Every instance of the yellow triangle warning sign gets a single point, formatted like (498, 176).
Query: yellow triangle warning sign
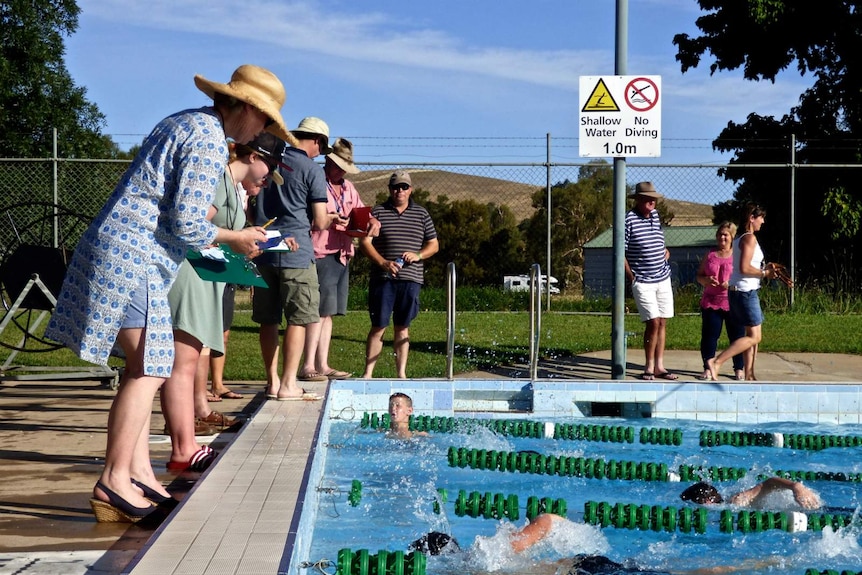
(601, 100)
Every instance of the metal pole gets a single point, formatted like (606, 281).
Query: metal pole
(548, 193)
(535, 318)
(792, 216)
(56, 193)
(450, 320)
(618, 337)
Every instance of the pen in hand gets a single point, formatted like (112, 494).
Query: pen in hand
(268, 223)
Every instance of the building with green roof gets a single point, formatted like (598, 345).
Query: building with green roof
(687, 246)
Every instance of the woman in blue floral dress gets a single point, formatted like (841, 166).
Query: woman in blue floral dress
(116, 285)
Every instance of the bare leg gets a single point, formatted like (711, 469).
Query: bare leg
(741, 345)
(178, 397)
(322, 357)
(661, 336)
(651, 329)
(142, 468)
(294, 341)
(750, 375)
(373, 349)
(268, 335)
(127, 422)
(217, 369)
(202, 405)
(401, 343)
(312, 341)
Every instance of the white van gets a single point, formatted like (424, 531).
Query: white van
(522, 283)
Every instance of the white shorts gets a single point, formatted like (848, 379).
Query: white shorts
(653, 300)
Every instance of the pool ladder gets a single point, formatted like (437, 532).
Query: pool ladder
(535, 319)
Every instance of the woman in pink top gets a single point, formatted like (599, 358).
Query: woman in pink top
(714, 276)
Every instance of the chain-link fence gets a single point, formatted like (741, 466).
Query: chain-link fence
(496, 197)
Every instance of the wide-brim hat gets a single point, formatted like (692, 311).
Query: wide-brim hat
(316, 126)
(646, 189)
(255, 86)
(342, 155)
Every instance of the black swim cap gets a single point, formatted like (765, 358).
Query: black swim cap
(702, 493)
(435, 543)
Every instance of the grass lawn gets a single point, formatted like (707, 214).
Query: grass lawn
(491, 338)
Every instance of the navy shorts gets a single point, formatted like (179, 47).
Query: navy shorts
(745, 307)
(398, 299)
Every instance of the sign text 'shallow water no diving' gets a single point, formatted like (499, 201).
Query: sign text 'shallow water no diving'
(620, 116)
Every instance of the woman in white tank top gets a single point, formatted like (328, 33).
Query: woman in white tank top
(748, 271)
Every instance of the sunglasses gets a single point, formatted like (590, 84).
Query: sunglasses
(399, 187)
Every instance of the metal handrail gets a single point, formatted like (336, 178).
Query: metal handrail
(450, 320)
(535, 318)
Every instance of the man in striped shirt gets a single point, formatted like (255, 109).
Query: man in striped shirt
(648, 270)
(407, 238)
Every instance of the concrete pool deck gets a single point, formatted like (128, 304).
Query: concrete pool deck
(237, 517)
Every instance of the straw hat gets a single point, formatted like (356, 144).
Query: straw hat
(256, 86)
(342, 155)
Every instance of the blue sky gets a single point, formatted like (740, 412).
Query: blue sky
(387, 72)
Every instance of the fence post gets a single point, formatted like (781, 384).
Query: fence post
(56, 184)
(792, 216)
(548, 193)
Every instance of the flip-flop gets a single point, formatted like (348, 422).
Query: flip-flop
(312, 376)
(199, 461)
(335, 374)
(307, 396)
(647, 376)
(667, 375)
(212, 398)
(230, 395)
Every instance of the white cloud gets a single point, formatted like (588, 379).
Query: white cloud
(365, 37)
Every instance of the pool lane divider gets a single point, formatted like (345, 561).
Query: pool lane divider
(832, 572)
(499, 505)
(528, 428)
(565, 466)
(780, 440)
(361, 562)
(687, 519)
(529, 461)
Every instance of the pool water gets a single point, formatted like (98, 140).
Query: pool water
(399, 481)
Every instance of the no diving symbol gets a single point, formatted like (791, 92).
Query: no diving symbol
(641, 94)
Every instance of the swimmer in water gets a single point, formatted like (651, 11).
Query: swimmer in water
(400, 410)
(705, 494)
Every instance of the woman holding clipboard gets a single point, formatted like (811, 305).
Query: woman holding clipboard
(333, 250)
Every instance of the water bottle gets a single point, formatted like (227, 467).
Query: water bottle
(399, 261)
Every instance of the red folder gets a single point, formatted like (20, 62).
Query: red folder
(358, 226)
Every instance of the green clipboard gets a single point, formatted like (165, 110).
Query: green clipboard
(237, 270)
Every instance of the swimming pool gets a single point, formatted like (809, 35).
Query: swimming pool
(397, 485)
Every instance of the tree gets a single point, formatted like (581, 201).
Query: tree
(482, 240)
(765, 37)
(36, 92)
(579, 212)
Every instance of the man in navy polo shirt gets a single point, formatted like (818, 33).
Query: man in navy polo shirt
(648, 270)
(407, 238)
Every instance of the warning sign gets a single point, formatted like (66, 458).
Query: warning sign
(641, 94)
(620, 116)
(600, 100)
